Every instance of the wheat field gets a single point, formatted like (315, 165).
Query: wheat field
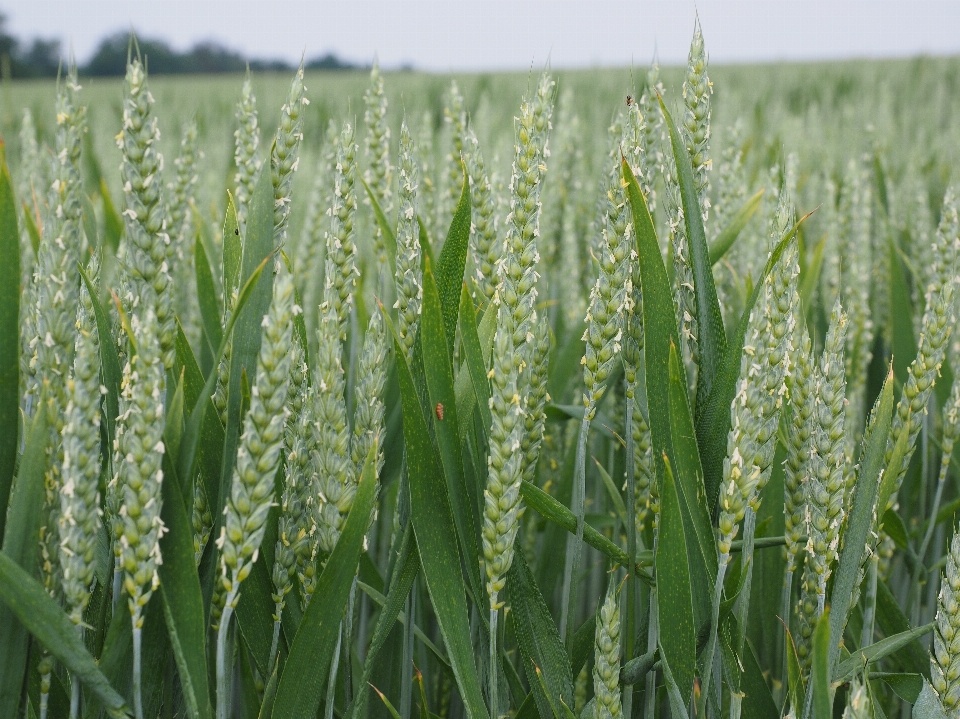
(553, 394)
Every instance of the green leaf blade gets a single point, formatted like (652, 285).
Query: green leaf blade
(453, 259)
(438, 372)
(304, 677)
(39, 613)
(9, 335)
(678, 639)
(437, 539)
(711, 339)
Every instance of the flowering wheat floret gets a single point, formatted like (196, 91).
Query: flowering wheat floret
(247, 152)
(29, 186)
(150, 250)
(731, 178)
(334, 476)
(379, 173)
(428, 186)
(566, 280)
(606, 667)
(285, 156)
(697, 89)
(56, 274)
(138, 464)
(945, 662)
(258, 454)
(409, 273)
(79, 495)
(56, 283)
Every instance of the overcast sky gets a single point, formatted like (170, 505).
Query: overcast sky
(446, 35)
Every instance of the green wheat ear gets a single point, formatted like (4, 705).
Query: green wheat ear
(936, 326)
(79, 494)
(945, 661)
(514, 302)
(247, 153)
(755, 411)
(379, 172)
(151, 252)
(285, 156)
(606, 667)
(409, 274)
(483, 245)
(697, 89)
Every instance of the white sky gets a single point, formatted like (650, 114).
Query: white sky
(446, 35)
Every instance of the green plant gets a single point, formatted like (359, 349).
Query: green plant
(397, 471)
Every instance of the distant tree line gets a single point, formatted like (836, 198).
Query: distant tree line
(41, 58)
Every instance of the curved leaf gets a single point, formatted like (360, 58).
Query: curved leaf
(453, 259)
(207, 298)
(437, 540)
(877, 651)
(438, 372)
(20, 546)
(556, 512)
(191, 434)
(678, 637)
(9, 335)
(389, 236)
(304, 677)
(258, 243)
(112, 222)
(476, 352)
(701, 540)
(182, 598)
(33, 232)
(659, 319)
(409, 567)
(538, 638)
(39, 613)
(729, 234)
(232, 253)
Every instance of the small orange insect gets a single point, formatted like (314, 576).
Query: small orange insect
(629, 100)
(439, 411)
